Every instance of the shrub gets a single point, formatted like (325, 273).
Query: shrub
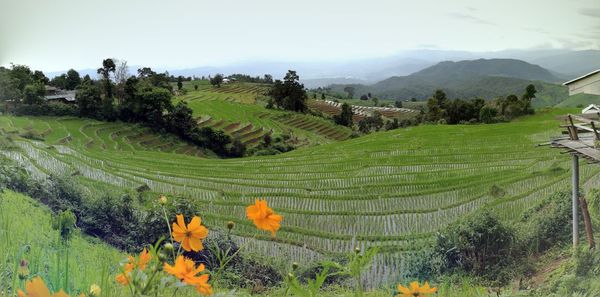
(479, 244)
(547, 223)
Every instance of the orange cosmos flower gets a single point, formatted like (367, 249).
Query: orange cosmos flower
(191, 236)
(263, 216)
(186, 271)
(37, 288)
(415, 290)
(143, 261)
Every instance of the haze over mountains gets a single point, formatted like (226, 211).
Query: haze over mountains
(563, 64)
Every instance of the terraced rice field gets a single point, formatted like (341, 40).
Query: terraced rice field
(392, 190)
(251, 121)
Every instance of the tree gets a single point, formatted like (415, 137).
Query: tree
(195, 87)
(323, 96)
(8, 86)
(33, 94)
(364, 97)
(89, 100)
(345, 116)
(41, 77)
(289, 94)
(59, 81)
(436, 106)
(350, 91)
(72, 80)
(487, 114)
(527, 97)
(372, 122)
(22, 76)
(268, 79)
(121, 72)
(217, 80)
(398, 104)
(179, 82)
(108, 66)
(375, 101)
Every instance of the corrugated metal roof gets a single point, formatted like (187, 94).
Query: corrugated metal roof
(581, 77)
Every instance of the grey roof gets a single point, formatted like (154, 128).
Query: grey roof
(581, 77)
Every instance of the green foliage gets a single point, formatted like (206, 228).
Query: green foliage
(488, 114)
(593, 199)
(73, 80)
(345, 116)
(289, 94)
(480, 244)
(64, 223)
(547, 223)
(33, 94)
(89, 101)
(373, 122)
(216, 80)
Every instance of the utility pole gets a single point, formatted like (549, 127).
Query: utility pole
(575, 199)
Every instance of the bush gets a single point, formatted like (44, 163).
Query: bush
(479, 244)
(547, 223)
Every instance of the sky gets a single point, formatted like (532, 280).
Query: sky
(62, 34)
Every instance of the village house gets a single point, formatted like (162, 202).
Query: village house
(587, 84)
(54, 94)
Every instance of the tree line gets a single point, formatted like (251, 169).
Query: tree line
(144, 98)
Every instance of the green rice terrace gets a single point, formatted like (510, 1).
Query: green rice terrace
(238, 111)
(392, 189)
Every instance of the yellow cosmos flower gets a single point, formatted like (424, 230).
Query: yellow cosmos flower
(415, 290)
(263, 217)
(95, 290)
(37, 288)
(186, 271)
(190, 236)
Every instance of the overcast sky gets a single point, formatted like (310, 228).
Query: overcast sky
(61, 34)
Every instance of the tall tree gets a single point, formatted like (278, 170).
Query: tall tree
(350, 91)
(73, 80)
(345, 116)
(179, 82)
(33, 94)
(41, 77)
(108, 66)
(217, 80)
(289, 94)
(89, 100)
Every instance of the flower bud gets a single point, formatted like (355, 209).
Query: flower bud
(95, 290)
(162, 257)
(230, 225)
(290, 276)
(162, 200)
(23, 270)
(168, 247)
(295, 265)
(357, 250)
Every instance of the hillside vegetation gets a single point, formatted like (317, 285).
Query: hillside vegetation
(485, 79)
(392, 190)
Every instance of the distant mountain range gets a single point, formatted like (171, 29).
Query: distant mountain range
(563, 64)
(481, 78)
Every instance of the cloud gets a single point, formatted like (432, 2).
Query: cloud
(591, 12)
(470, 18)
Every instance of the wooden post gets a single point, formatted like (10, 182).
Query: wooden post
(589, 232)
(575, 199)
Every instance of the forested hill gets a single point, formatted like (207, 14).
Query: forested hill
(468, 79)
(487, 67)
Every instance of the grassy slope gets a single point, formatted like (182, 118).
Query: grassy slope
(237, 103)
(579, 100)
(390, 189)
(26, 233)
